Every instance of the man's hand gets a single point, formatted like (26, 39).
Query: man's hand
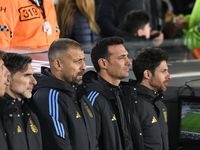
(158, 39)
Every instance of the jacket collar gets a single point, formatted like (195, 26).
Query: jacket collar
(47, 79)
(8, 97)
(150, 94)
(110, 87)
(101, 85)
(106, 83)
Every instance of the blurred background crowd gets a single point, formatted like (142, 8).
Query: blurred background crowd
(173, 25)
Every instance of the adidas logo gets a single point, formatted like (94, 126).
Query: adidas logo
(154, 120)
(78, 115)
(19, 129)
(114, 118)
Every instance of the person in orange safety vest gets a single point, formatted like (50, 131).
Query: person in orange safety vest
(28, 23)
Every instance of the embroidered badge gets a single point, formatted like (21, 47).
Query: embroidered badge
(165, 114)
(154, 120)
(114, 118)
(88, 110)
(78, 115)
(33, 127)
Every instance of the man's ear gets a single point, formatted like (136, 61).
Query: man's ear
(102, 63)
(147, 74)
(139, 32)
(57, 64)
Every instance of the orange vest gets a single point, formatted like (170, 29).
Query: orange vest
(21, 24)
(196, 53)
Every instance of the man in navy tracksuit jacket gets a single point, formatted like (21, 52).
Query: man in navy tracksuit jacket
(151, 71)
(67, 120)
(20, 123)
(110, 60)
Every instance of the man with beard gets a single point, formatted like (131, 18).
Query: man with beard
(66, 117)
(151, 71)
(21, 125)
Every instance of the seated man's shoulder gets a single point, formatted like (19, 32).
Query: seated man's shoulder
(44, 94)
(95, 96)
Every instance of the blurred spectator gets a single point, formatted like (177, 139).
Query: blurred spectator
(76, 19)
(29, 23)
(169, 28)
(112, 12)
(190, 25)
(137, 28)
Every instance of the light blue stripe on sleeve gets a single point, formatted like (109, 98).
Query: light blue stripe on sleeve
(50, 111)
(90, 95)
(55, 99)
(63, 131)
(94, 99)
(53, 105)
(54, 112)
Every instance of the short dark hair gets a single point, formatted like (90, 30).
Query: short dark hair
(2, 54)
(16, 62)
(100, 49)
(135, 20)
(61, 45)
(147, 59)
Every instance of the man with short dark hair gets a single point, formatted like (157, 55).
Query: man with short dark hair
(110, 59)
(20, 123)
(4, 73)
(137, 29)
(137, 24)
(66, 117)
(151, 71)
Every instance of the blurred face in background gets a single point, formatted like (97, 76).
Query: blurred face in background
(146, 31)
(4, 73)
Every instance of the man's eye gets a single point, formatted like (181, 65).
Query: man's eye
(27, 75)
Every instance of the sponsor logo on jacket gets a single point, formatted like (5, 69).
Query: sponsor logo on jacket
(78, 115)
(19, 129)
(154, 120)
(165, 114)
(114, 118)
(88, 110)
